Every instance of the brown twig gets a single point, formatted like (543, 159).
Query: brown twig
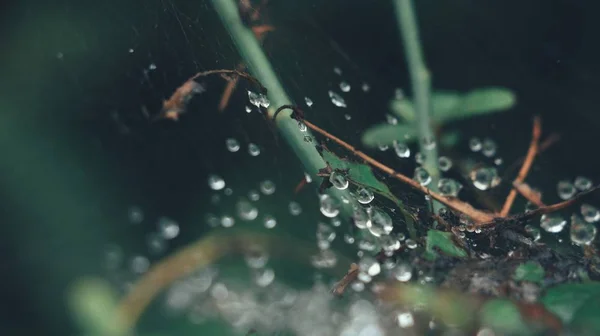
(531, 195)
(533, 148)
(340, 287)
(477, 215)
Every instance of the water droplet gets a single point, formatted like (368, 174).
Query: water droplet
(422, 176)
(227, 221)
(308, 101)
(449, 187)
(403, 272)
(253, 195)
(113, 256)
(419, 158)
(336, 99)
(428, 143)
(212, 220)
(228, 191)
(389, 243)
(168, 228)
(337, 71)
(338, 180)
(325, 232)
(411, 244)
(583, 183)
(475, 144)
(380, 223)
(582, 233)
(295, 208)
(232, 145)
(366, 87)
(391, 119)
(302, 126)
(156, 243)
(401, 149)
(267, 187)
(405, 320)
(308, 139)
(399, 94)
(264, 277)
(533, 232)
(139, 264)
(248, 109)
(135, 215)
(364, 195)
(152, 66)
(552, 223)
(344, 86)
(444, 163)
(565, 189)
(370, 266)
(360, 217)
(131, 50)
(324, 259)
(336, 222)
(590, 213)
(258, 99)
(485, 178)
(246, 210)
(348, 239)
(498, 161)
(215, 182)
(253, 149)
(270, 222)
(256, 257)
(383, 148)
(347, 116)
(369, 243)
(329, 206)
(488, 147)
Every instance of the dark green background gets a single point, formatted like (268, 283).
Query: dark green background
(68, 173)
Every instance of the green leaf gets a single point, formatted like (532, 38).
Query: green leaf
(442, 241)
(450, 139)
(567, 300)
(503, 316)
(386, 134)
(444, 102)
(404, 108)
(586, 321)
(359, 174)
(530, 271)
(476, 102)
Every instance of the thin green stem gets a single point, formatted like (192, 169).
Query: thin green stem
(421, 87)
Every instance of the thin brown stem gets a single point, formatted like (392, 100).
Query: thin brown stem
(476, 215)
(533, 148)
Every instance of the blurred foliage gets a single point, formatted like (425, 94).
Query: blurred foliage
(503, 317)
(443, 242)
(447, 106)
(577, 304)
(530, 271)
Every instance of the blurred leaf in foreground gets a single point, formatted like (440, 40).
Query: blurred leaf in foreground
(577, 304)
(386, 134)
(530, 271)
(504, 317)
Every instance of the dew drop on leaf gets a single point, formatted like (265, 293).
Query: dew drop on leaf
(389, 243)
(216, 182)
(264, 277)
(488, 147)
(248, 109)
(402, 272)
(232, 145)
(419, 158)
(364, 195)
(582, 233)
(411, 244)
(485, 178)
(246, 210)
(533, 232)
(360, 217)
(270, 221)
(552, 223)
(308, 139)
(227, 221)
(329, 206)
(253, 195)
(391, 119)
(256, 257)
(380, 223)
(325, 232)
(565, 189)
(338, 180)
(369, 266)
(302, 126)
(347, 116)
(336, 99)
(156, 243)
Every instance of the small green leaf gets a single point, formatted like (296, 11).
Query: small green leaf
(359, 174)
(403, 108)
(442, 241)
(385, 134)
(530, 271)
(566, 300)
(450, 139)
(503, 316)
(444, 102)
(586, 321)
(476, 102)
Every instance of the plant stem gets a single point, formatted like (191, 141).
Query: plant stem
(421, 87)
(259, 66)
